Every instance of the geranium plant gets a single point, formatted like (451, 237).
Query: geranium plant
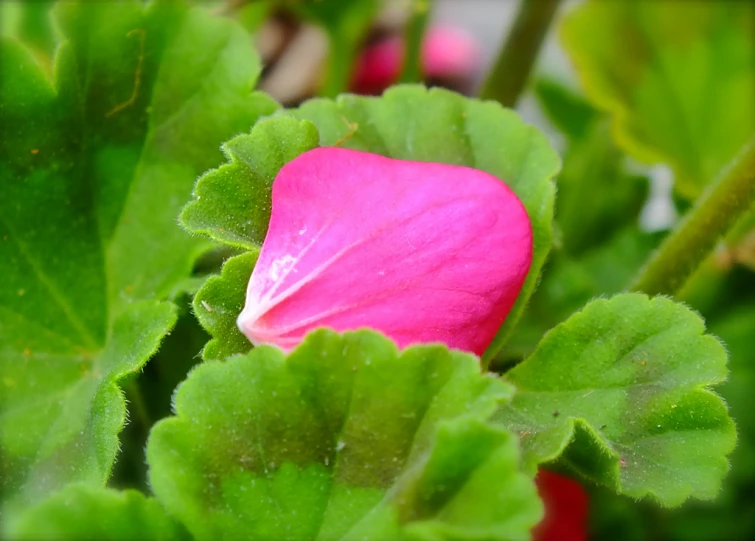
(371, 317)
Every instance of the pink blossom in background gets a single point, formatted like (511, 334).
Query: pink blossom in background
(423, 252)
(566, 509)
(446, 52)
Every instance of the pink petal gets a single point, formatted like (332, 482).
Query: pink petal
(423, 252)
(566, 508)
(378, 66)
(446, 52)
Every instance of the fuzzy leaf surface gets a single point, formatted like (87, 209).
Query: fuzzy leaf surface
(671, 98)
(218, 303)
(85, 512)
(620, 393)
(232, 204)
(345, 438)
(95, 165)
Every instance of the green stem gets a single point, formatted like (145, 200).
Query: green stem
(730, 196)
(342, 54)
(413, 34)
(516, 58)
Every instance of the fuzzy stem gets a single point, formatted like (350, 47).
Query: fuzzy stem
(727, 199)
(413, 34)
(342, 54)
(516, 58)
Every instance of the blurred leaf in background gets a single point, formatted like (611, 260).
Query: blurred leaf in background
(676, 75)
(31, 23)
(597, 197)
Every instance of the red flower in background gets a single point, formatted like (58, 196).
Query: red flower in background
(566, 508)
(447, 53)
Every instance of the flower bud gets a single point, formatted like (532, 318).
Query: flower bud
(423, 252)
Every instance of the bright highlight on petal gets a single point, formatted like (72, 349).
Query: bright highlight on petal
(423, 252)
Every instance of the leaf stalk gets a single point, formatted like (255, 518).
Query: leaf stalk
(515, 61)
(413, 36)
(717, 210)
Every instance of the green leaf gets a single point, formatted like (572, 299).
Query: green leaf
(149, 394)
(568, 283)
(95, 167)
(84, 512)
(345, 438)
(596, 196)
(600, 247)
(729, 516)
(676, 76)
(61, 406)
(31, 23)
(567, 110)
(219, 303)
(737, 328)
(620, 393)
(232, 203)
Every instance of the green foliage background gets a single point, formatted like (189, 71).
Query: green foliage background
(110, 111)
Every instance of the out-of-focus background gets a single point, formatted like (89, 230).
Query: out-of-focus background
(645, 100)
(462, 39)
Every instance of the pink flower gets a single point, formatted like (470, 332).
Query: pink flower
(423, 252)
(447, 52)
(566, 509)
